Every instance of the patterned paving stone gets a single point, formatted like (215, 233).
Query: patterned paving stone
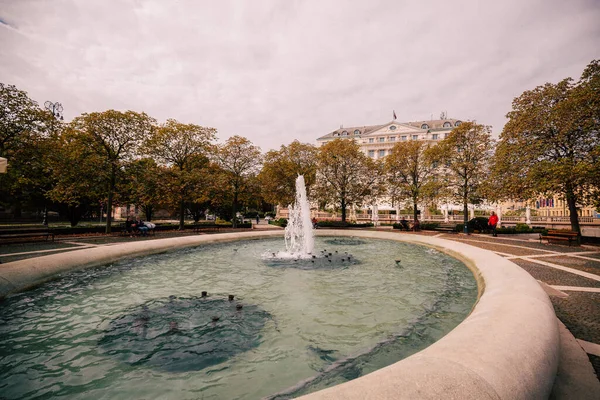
(592, 267)
(553, 276)
(503, 248)
(579, 312)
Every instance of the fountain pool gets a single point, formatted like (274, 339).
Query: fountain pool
(140, 328)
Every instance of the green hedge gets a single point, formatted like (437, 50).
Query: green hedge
(340, 224)
(425, 226)
(279, 222)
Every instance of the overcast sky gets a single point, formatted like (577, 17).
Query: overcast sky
(275, 71)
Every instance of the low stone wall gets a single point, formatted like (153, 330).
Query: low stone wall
(507, 348)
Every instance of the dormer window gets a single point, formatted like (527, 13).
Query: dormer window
(345, 133)
(447, 125)
(393, 128)
(424, 126)
(357, 132)
(457, 123)
(336, 134)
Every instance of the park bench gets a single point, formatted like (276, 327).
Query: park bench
(446, 228)
(134, 232)
(14, 234)
(206, 228)
(558, 235)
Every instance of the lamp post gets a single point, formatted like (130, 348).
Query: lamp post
(56, 109)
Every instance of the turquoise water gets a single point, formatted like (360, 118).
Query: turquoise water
(141, 328)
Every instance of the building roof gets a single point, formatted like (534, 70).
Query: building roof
(433, 125)
(436, 124)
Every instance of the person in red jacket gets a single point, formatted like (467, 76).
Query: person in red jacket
(492, 222)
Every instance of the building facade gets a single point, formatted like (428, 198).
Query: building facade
(376, 141)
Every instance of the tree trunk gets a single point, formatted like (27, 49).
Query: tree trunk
(573, 211)
(181, 213)
(17, 209)
(148, 211)
(466, 216)
(415, 217)
(109, 204)
(234, 208)
(74, 213)
(343, 205)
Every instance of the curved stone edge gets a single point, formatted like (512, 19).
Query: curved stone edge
(507, 348)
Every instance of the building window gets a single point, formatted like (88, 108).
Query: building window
(381, 139)
(371, 153)
(393, 128)
(424, 126)
(403, 138)
(345, 133)
(447, 125)
(392, 138)
(415, 137)
(457, 123)
(336, 134)
(357, 132)
(390, 152)
(381, 153)
(435, 136)
(371, 140)
(445, 135)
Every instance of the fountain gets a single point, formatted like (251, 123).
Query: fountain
(299, 239)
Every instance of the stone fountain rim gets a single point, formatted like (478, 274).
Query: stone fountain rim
(507, 347)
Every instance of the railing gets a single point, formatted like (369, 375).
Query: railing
(512, 218)
(390, 218)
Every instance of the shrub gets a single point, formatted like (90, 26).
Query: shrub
(522, 228)
(279, 222)
(430, 226)
(478, 224)
(340, 224)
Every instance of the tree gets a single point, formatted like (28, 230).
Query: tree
(282, 167)
(346, 176)
(142, 185)
(550, 143)
(410, 172)
(116, 137)
(18, 114)
(183, 148)
(240, 161)
(24, 137)
(77, 188)
(465, 155)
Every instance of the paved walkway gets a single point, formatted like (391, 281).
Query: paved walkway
(570, 276)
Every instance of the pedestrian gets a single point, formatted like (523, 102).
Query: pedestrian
(492, 222)
(128, 225)
(416, 225)
(257, 219)
(314, 222)
(404, 224)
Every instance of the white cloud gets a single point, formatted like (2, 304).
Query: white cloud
(275, 71)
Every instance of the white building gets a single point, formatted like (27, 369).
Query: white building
(376, 141)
